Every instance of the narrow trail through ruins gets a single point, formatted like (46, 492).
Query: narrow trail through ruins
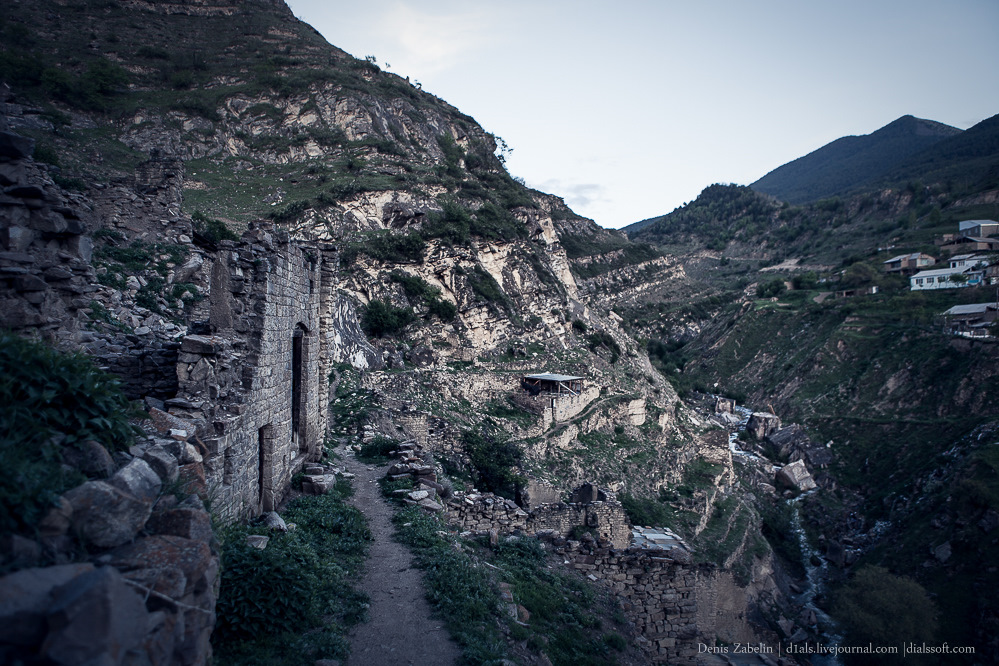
(400, 630)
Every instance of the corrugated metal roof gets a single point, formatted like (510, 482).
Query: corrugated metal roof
(973, 308)
(940, 271)
(549, 377)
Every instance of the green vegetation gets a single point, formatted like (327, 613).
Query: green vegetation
(495, 460)
(378, 450)
(50, 400)
(381, 318)
(417, 290)
(604, 340)
(880, 608)
(211, 229)
(563, 622)
(293, 602)
(351, 402)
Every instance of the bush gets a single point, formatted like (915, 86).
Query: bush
(771, 288)
(291, 602)
(377, 450)
(604, 339)
(645, 512)
(495, 461)
(49, 399)
(879, 607)
(381, 318)
(213, 230)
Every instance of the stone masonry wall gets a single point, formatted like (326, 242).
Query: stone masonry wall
(658, 595)
(260, 381)
(480, 512)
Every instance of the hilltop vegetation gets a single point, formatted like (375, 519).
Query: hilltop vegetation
(852, 162)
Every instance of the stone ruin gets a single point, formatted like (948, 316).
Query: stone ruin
(236, 400)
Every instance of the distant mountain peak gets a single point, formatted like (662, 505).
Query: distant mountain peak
(852, 161)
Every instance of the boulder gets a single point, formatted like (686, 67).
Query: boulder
(273, 521)
(16, 146)
(138, 479)
(106, 516)
(164, 552)
(162, 462)
(95, 618)
(762, 424)
(26, 595)
(795, 475)
(194, 524)
(257, 541)
(90, 457)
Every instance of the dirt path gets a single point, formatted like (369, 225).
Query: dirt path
(399, 631)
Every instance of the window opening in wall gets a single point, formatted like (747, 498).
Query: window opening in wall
(299, 349)
(265, 467)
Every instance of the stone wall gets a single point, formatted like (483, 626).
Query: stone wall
(658, 594)
(482, 512)
(260, 382)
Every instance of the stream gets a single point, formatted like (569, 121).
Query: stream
(815, 574)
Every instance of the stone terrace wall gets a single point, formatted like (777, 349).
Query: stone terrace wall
(658, 594)
(483, 512)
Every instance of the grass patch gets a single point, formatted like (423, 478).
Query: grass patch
(293, 602)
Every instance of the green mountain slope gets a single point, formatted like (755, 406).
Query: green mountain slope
(852, 162)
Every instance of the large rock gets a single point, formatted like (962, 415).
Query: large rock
(795, 475)
(138, 479)
(105, 515)
(162, 462)
(94, 619)
(16, 146)
(166, 552)
(184, 522)
(25, 597)
(90, 457)
(762, 424)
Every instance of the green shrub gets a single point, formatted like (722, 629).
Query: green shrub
(879, 607)
(291, 602)
(213, 230)
(459, 590)
(495, 461)
(444, 310)
(644, 511)
(603, 339)
(771, 288)
(49, 399)
(377, 450)
(381, 318)
(485, 287)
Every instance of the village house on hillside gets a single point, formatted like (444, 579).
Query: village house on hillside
(946, 278)
(972, 236)
(905, 264)
(973, 320)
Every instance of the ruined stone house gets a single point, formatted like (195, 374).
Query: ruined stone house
(258, 381)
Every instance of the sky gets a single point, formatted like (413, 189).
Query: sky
(628, 109)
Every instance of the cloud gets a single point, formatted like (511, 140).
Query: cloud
(430, 41)
(578, 196)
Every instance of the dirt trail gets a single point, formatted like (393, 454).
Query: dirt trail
(400, 630)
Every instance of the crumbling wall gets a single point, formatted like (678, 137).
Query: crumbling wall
(260, 381)
(658, 594)
(482, 512)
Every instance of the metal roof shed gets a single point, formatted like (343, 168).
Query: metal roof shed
(548, 382)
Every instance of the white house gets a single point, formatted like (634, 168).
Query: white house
(967, 261)
(942, 278)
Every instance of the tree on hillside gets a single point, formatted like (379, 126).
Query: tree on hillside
(877, 607)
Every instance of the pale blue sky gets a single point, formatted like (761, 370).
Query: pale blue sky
(629, 109)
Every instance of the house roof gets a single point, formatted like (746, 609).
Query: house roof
(550, 377)
(967, 224)
(973, 308)
(936, 272)
(963, 257)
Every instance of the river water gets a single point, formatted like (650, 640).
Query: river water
(815, 574)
